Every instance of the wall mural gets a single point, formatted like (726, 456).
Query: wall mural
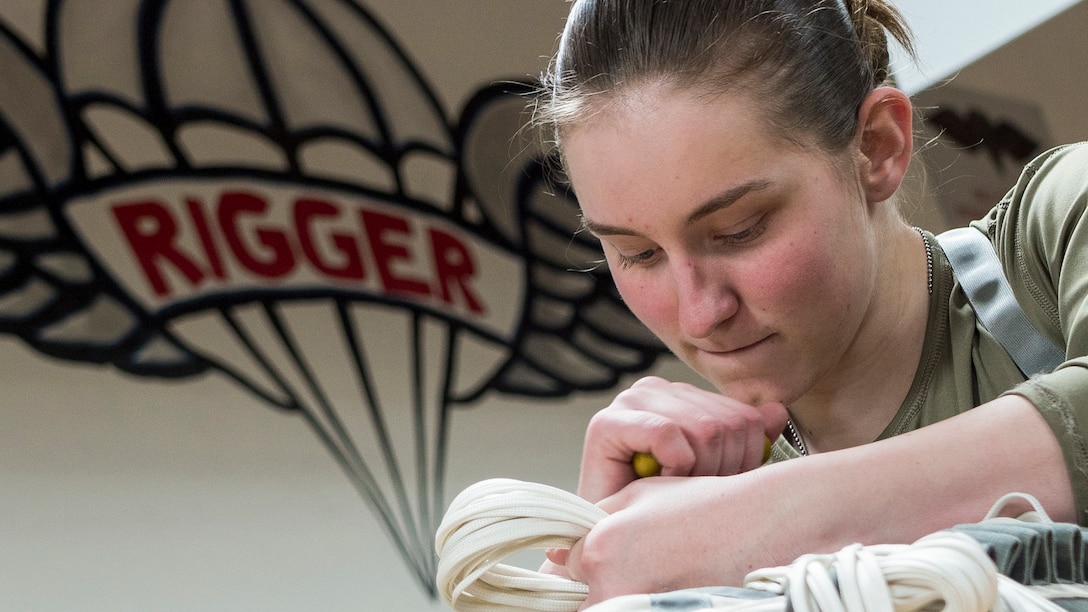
(270, 191)
(977, 144)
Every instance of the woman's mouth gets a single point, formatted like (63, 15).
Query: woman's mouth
(736, 349)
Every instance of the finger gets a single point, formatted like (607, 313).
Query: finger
(775, 416)
(573, 565)
(718, 427)
(689, 441)
(552, 568)
(705, 420)
(726, 441)
(612, 439)
(688, 430)
(737, 438)
(558, 556)
(651, 382)
(757, 450)
(647, 466)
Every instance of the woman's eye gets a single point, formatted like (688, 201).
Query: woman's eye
(748, 234)
(642, 257)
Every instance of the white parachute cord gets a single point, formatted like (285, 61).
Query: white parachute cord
(1035, 515)
(496, 518)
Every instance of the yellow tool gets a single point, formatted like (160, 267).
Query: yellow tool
(646, 465)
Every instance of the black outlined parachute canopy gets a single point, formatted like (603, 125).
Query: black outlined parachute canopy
(270, 191)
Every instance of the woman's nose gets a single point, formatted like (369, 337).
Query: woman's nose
(704, 298)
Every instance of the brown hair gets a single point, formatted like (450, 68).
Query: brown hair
(810, 63)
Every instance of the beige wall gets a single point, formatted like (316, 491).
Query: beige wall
(1038, 79)
(1047, 66)
(119, 493)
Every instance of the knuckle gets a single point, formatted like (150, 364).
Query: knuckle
(599, 423)
(630, 398)
(709, 429)
(593, 560)
(661, 428)
(649, 381)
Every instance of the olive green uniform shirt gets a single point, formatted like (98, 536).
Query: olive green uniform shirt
(1040, 233)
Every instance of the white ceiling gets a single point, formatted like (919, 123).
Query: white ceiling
(953, 33)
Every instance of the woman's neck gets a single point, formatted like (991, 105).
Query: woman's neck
(857, 400)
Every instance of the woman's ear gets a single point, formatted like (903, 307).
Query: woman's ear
(885, 124)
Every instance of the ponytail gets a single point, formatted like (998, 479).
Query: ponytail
(873, 20)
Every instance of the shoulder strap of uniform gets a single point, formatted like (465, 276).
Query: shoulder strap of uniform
(980, 274)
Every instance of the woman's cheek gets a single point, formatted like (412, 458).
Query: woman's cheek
(650, 300)
(803, 282)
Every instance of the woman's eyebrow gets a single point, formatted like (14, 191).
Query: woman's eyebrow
(711, 206)
(601, 229)
(726, 198)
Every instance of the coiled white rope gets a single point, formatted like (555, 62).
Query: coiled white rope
(494, 519)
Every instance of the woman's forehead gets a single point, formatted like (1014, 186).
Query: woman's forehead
(669, 125)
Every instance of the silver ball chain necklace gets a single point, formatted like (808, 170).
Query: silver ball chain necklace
(795, 436)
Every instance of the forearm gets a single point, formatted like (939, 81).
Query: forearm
(899, 489)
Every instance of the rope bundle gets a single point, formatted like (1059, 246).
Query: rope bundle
(494, 519)
(943, 568)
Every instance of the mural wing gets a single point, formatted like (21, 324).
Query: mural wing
(576, 333)
(301, 218)
(52, 294)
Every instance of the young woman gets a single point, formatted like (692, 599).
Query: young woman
(739, 162)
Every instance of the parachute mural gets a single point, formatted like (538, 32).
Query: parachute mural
(249, 188)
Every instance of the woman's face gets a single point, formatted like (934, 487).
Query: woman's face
(751, 257)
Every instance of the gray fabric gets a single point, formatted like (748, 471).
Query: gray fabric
(979, 271)
(1033, 553)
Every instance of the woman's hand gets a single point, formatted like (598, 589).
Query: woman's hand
(691, 432)
(671, 533)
